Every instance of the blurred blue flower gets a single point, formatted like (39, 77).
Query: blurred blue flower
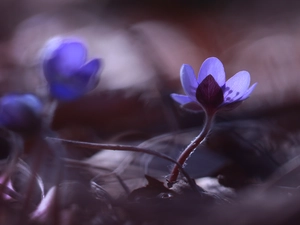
(209, 91)
(20, 112)
(68, 74)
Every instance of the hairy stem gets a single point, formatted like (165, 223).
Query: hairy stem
(209, 117)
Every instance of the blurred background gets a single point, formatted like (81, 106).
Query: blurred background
(143, 45)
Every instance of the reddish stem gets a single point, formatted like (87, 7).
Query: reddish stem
(209, 117)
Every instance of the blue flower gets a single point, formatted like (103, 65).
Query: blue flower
(209, 91)
(68, 74)
(20, 112)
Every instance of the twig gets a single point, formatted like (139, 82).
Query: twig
(96, 146)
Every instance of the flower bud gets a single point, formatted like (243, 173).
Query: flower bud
(20, 112)
(65, 68)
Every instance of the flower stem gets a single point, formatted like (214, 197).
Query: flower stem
(209, 117)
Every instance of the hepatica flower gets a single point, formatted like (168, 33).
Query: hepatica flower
(209, 91)
(67, 71)
(20, 112)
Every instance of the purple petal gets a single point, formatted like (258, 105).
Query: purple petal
(21, 113)
(181, 99)
(83, 81)
(188, 80)
(28, 100)
(91, 68)
(63, 58)
(248, 92)
(236, 86)
(87, 74)
(212, 66)
(66, 92)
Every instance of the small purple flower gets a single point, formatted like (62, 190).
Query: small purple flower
(68, 74)
(209, 91)
(20, 112)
